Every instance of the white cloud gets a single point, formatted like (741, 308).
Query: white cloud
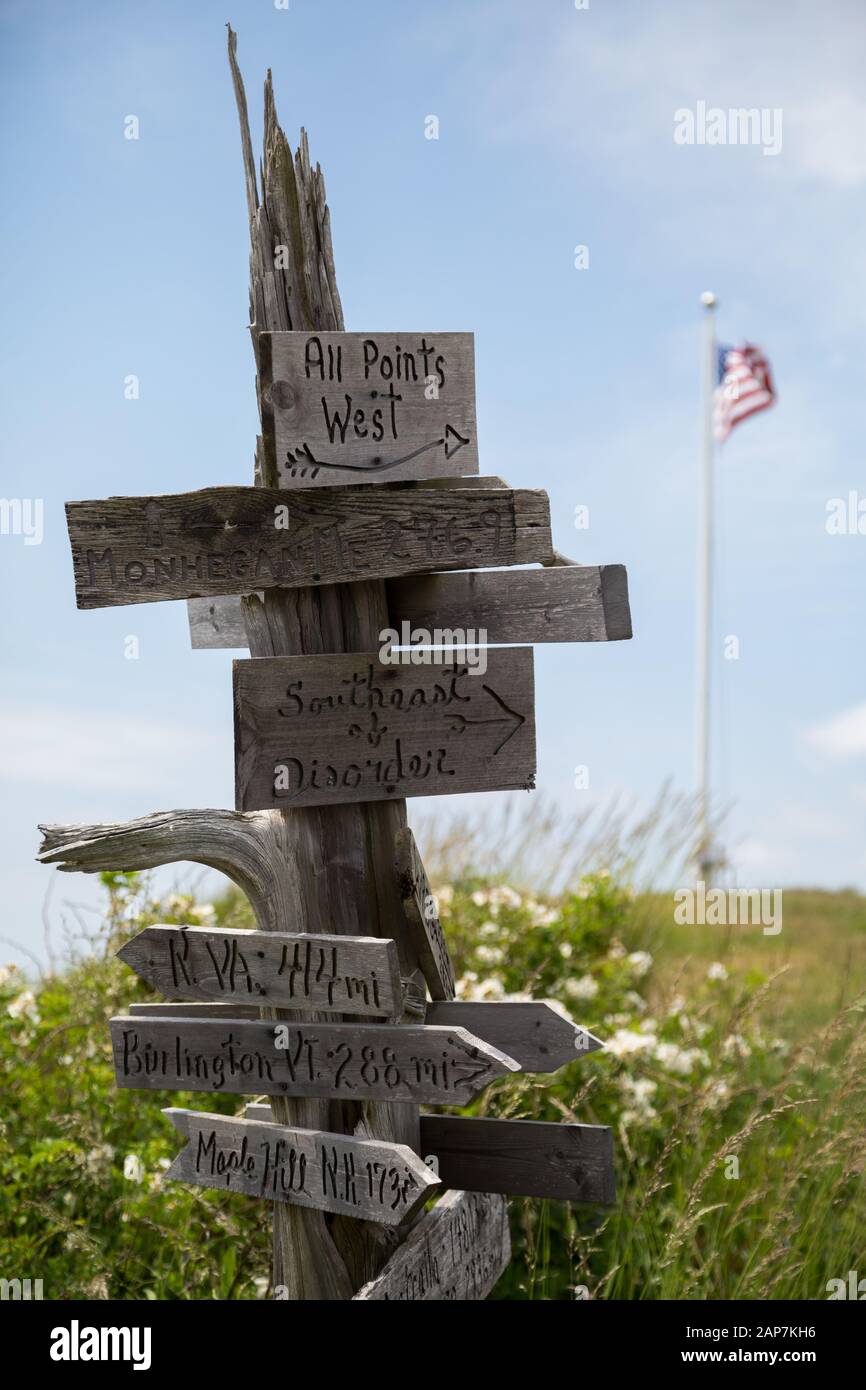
(98, 749)
(843, 736)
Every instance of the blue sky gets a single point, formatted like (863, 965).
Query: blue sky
(555, 129)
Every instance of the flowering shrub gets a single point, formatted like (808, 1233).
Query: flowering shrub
(739, 1152)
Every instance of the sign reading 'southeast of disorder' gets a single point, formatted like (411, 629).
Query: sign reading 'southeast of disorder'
(323, 730)
(359, 407)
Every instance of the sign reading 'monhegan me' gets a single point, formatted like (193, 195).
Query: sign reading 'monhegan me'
(238, 540)
(358, 407)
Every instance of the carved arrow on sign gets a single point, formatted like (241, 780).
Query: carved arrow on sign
(358, 1061)
(303, 455)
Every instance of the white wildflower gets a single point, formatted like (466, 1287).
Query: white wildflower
(203, 912)
(640, 962)
(541, 915)
(679, 1060)
(7, 971)
(636, 1001)
(717, 971)
(488, 929)
(133, 1168)
(627, 1041)
(490, 955)
(24, 1006)
(584, 988)
(735, 1045)
(638, 1093)
(505, 897)
(717, 1093)
(566, 950)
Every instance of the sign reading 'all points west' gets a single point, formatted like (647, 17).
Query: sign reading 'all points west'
(238, 540)
(359, 407)
(323, 730)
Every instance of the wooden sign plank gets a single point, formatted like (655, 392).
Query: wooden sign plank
(344, 974)
(422, 918)
(568, 603)
(360, 1061)
(236, 540)
(365, 1178)
(531, 1032)
(522, 1158)
(343, 408)
(325, 730)
(456, 1253)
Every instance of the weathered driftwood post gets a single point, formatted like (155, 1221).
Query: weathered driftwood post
(327, 1015)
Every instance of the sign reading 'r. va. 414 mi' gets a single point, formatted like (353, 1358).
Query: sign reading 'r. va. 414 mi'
(323, 730)
(354, 407)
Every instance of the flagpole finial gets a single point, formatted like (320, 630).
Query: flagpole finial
(708, 299)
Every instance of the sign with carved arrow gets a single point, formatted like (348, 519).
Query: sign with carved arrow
(284, 970)
(370, 1179)
(346, 1061)
(321, 730)
(342, 408)
(533, 1033)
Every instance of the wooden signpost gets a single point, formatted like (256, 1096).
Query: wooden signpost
(456, 1252)
(239, 540)
(354, 974)
(356, 1061)
(325, 730)
(423, 918)
(365, 1178)
(358, 514)
(357, 407)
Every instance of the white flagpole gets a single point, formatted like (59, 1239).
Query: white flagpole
(705, 574)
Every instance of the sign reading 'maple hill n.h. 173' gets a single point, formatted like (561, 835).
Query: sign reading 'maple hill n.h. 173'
(357, 407)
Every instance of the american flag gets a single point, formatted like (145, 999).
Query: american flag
(744, 387)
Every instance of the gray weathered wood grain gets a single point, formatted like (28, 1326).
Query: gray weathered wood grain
(456, 1253)
(330, 730)
(522, 1158)
(530, 1031)
(234, 540)
(352, 1061)
(344, 408)
(342, 974)
(368, 1179)
(422, 917)
(577, 603)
